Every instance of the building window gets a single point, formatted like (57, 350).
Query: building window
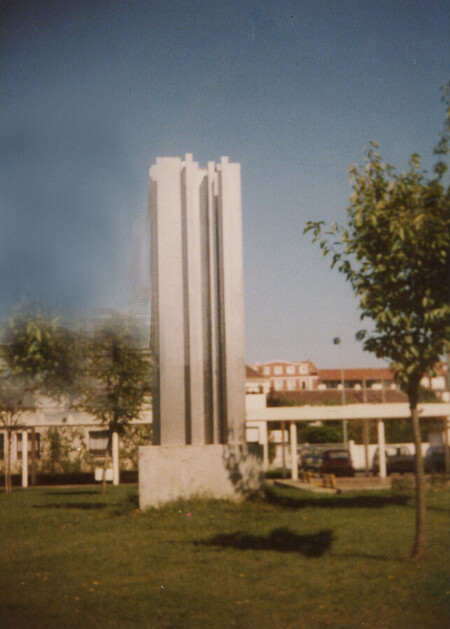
(37, 445)
(290, 384)
(303, 369)
(278, 370)
(98, 442)
(278, 384)
(290, 370)
(267, 371)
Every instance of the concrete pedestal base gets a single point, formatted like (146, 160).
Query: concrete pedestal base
(169, 473)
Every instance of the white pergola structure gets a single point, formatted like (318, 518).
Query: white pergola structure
(115, 453)
(292, 415)
(50, 415)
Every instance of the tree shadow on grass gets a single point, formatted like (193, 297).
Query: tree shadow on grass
(70, 492)
(371, 501)
(127, 505)
(281, 540)
(87, 506)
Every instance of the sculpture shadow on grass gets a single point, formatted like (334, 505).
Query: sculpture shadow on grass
(280, 540)
(342, 501)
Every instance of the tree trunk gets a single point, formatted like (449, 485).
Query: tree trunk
(419, 547)
(105, 465)
(365, 432)
(8, 483)
(446, 450)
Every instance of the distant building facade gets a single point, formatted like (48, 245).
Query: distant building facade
(289, 376)
(303, 376)
(256, 382)
(439, 382)
(363, 378)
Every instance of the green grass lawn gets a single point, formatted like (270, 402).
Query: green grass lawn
(71, 557)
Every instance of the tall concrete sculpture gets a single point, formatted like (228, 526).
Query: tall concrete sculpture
(197, 329)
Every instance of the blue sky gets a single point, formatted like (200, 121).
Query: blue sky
(93, 91)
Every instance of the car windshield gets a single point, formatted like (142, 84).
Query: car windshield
(389, 451)
(337, 455)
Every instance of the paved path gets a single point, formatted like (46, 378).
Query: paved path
(363, 482)
(357, 483)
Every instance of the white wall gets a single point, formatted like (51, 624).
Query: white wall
(357, 452)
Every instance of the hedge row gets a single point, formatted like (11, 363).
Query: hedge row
(68, 478)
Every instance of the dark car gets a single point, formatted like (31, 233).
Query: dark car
(399, 460)
(310, 459)
(435, 459)
(337, 462)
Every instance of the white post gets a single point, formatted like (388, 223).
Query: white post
(264, 438)
(115, 458)
(446, 440)
(294, 458)
(381, 449)
(24, 458)
(283, 449)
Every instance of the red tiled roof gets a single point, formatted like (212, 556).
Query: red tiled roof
(250, 372)
(367, 373)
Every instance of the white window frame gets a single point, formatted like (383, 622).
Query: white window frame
(37, 442)
(97, 437)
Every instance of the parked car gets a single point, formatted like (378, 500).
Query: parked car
(435, 459)
(337, 462)
(310, 459)
(398, 460)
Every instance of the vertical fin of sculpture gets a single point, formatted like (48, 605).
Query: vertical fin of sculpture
(232, 298)
(197, 302)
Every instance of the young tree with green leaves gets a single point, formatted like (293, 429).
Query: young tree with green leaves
(395, 252)
(37, 356)
(47, 355)
(118, 379)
